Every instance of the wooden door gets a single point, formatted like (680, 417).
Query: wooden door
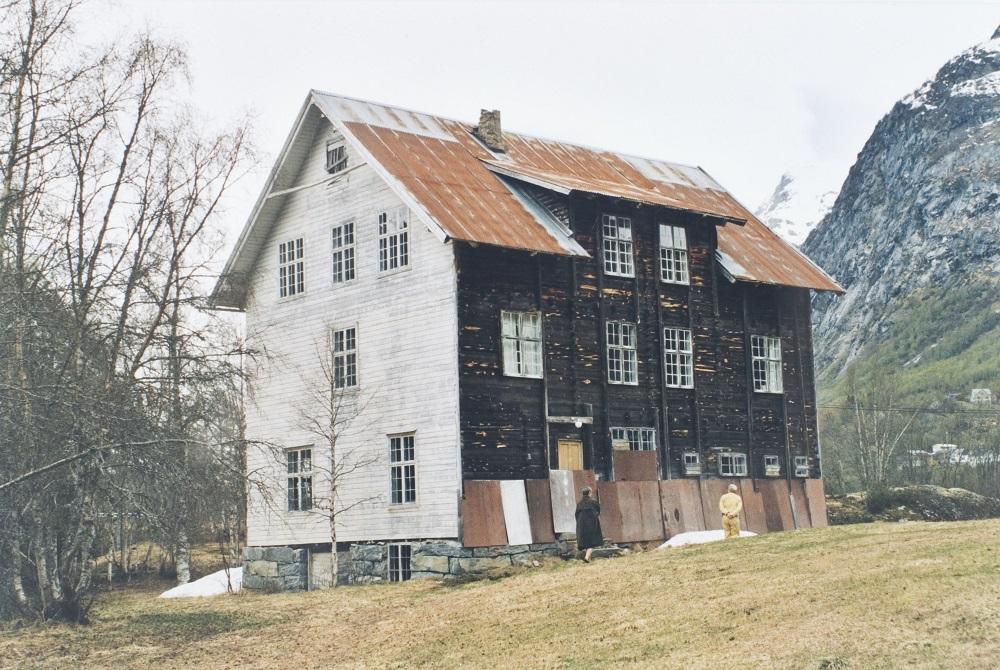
(570, 455)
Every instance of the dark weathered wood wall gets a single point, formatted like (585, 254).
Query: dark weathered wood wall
(503, 426)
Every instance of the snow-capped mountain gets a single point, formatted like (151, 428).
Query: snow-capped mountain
(918, 217)
(801, 199)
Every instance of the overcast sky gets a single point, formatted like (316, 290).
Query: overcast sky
(746, 90)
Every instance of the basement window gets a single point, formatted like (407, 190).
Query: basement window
(639, 439)
(399, 562)
(732, 465)
(291, 268)
(343, 252)
(617, 245)
(345, 358)
(393, 240)
(673, 255)
(772, 466)
(801, 466)
(678, 357)
(299, 462)
(521, 333)
(765, 355)
(402, 469)
(692, 463)
(336, 157)
(623, 363)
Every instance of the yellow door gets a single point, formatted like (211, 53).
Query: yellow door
(570, 455)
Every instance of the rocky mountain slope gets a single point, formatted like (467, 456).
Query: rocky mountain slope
(801, 199)
(914, 235)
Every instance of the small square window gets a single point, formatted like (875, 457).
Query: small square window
(692, 463)
(772, 465)
(801, 466)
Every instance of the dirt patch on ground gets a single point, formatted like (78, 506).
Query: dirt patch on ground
(911, 503)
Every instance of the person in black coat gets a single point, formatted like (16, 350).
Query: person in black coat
(588, 524)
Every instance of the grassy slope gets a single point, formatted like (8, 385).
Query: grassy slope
(955, 330)
(918, 595)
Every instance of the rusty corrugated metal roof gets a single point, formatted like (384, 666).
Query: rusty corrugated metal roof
(445, 169)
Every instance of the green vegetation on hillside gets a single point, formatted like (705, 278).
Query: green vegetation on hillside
(914, 595)
(941, 341)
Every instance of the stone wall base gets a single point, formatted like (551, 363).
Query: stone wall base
(274, 569)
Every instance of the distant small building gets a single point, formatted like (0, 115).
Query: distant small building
(981, 397)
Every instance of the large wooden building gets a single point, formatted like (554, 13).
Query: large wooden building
(489, 311)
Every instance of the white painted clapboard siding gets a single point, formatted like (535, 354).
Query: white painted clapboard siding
(407, 367)
(515, 511)
(563, 501)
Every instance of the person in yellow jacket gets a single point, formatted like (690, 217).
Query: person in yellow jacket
(730, 505)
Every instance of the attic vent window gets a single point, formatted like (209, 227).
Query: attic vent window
(336, 157)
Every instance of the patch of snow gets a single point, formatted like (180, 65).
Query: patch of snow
(699, 537)
(986, 85)
(918, 98)
(799, 202)
(214, 584)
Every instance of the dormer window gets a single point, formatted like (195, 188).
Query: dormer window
(336, 157)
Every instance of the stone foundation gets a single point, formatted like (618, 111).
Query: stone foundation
(275, 569)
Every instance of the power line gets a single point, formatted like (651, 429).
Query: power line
(922, 410)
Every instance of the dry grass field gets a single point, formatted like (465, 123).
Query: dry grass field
(911, 595)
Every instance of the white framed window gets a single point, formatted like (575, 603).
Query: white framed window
(678, 353)
(345, 358)
(639, 439)
(765, 353)
(801, 466)
(732, 464)
(300, 479)
(291, 268)
(623, 363)
(692, 463)
(673, 255)
(393, 240)
(336, 157)
(399, 562)
(402, 469)
(772, 465)
(343, 252)
(521, 333)
(617, 238)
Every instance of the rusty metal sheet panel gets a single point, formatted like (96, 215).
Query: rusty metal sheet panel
(651, 513)
(611, 516)
(711, 490)
(754, 519)
(687, 493)
(540, 510)
(675, 513)
(816, 499)
(583, 478)
(635, 466)
(563, 501)
(482, 515)
(630, 506)
(800, 503)
(777, 509)
(515, 511)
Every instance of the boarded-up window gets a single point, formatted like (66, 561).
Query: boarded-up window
(299, 466)
(291, 268)
(766, 360)
(673, 255)
(393, 240)
(522, 343)
(623, 364)
(343, 252)
(345, 358)
(678, 364)
(617, 236)
(402, 469)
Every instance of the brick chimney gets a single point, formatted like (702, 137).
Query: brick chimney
(488, 130)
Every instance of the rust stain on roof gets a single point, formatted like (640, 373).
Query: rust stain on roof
(455, 179)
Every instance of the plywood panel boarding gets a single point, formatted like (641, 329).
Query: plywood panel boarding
(635, 466)
(816, 498)
(540, 510)
(515, 511)
(753, 508)
(482, 515)
(611, 517)
(563, 501)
